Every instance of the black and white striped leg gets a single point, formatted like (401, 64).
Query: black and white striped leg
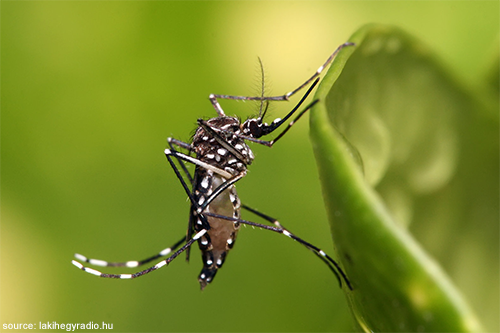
(146, 271)
(280, 226)
(131, 263)
(264, 216)
(339, 273)
(184, 145)
(187, 146)
(195, 161)
(213, 97)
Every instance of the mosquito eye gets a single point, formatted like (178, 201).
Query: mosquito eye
(253, 128)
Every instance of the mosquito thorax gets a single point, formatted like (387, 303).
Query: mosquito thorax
(224, 148)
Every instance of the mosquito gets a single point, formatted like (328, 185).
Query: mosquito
(220, 155)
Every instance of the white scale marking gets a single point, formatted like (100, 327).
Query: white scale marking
(77, 264)
(322, 253)
(80, 257)
(160, 264)
(201, 233)
(229, 241)
(209, 262)
(219, 262)
(210, 156)
(222, 151)
(286, 233)
(232, 161)
(132, 264)
(195, 161)
(166, 251)
(204, 183)
(238, 146)
(125, 276)
(92, 271)
(97, 262)
(201, 200)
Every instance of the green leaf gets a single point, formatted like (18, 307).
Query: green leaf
(400, 144)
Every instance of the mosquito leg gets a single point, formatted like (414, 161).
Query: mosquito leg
(272, 142)
(179, 143)
(285, 97)
(264, 216)
(320, 69)
(146, 271)
(190, 159)
(187, 146)
(131, 263)
(287, 233)
(279, 225)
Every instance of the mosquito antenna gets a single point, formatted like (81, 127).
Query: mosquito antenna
(262, 90)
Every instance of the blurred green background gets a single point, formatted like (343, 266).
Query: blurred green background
(91, 91)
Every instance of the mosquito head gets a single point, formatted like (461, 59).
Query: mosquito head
(255, 128)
